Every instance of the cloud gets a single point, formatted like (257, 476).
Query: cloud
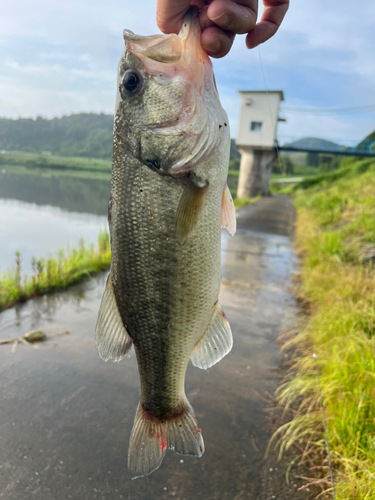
(61, 57)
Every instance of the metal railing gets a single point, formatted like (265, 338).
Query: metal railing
(336, 147)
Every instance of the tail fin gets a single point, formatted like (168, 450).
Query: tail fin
(151, 437)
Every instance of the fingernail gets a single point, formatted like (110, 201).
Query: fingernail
(222, 20)
(213, 47)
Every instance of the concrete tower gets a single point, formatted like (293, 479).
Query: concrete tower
(257, 126)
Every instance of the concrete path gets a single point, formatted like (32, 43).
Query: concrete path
(66, 416)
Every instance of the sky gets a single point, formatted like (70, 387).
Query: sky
(59, 57)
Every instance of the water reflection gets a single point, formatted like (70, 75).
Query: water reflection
(41, 230)
(39, 215)
(74, 194)
(43, 310)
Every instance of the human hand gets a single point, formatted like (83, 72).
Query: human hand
(221, 20)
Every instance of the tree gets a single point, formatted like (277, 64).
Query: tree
(312, 159)
(328, 163)
(283, 165)
(84, 134)
(234, 164)
(368, 143)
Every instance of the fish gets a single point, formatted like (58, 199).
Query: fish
(169, 200)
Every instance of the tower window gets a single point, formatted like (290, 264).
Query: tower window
(256, 126)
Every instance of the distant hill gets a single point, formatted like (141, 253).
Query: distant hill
(84, 134)
(316, 143)
(364, 144)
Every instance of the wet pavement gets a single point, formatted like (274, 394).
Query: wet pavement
(66, 416)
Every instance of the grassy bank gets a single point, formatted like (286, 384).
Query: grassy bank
(298, 171)
(48, 160)
(49, 164)
(335, 235)
(67, 268)
(241, 202)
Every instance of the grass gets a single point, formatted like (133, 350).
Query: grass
(49, 164)
(298, 171)
(335, 236)
(233, 176)
(54, 273)
(241, 202)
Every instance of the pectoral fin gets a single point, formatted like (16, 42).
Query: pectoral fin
(190, 207)
(112, 339)
(215, 343)
(228, 212)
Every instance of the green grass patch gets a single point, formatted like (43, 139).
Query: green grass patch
(335, 235)
(232, 180)
(298, 171)
(51, 274)
(304, 170)
(350, 168)
(40, 164)
(241, 202)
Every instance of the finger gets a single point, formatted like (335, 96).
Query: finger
(272, 17)
(216, 42)
(204, 21)
(235, 16)
(169, 13)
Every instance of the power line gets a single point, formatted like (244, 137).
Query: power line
(353, 109)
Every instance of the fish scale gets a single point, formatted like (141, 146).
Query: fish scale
(169, 200)
(158, 282)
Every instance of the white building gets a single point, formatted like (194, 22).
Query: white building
(257, 127)
(259, 114)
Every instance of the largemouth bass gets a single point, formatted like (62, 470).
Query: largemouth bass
(169, 200)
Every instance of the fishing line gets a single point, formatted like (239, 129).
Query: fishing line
(314, 355)
(325, 426)
(276, 144)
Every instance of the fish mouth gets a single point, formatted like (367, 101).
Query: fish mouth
(160, 48)
(176, 53)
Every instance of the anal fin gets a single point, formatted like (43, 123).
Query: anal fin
(215, 343)
(111, 337)
(228, 212)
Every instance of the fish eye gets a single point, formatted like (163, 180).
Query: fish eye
(131, 81)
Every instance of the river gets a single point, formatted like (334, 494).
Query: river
(41, 215)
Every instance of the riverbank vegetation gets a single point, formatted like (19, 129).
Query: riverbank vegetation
(335, 236)
(70, 266)
(241, 202)
(46, 163)
(83, 134)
